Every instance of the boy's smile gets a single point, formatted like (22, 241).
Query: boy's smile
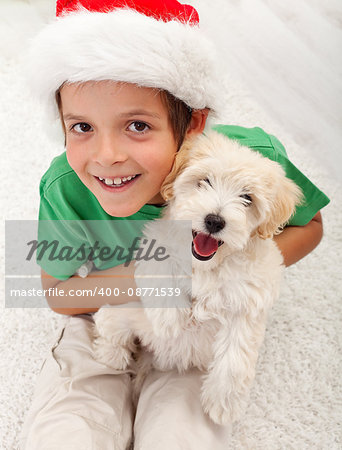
(119, 142)
(117, 182)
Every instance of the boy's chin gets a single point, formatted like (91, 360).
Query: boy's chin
(124, 210)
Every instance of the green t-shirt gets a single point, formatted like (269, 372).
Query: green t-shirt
(69, 213)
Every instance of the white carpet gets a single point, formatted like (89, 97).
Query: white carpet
(296, 401)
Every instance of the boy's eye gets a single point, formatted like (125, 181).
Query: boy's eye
(81, 127)
(138, 127)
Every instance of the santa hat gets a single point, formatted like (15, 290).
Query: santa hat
(151, 43)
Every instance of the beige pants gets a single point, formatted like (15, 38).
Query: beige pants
(81, 404)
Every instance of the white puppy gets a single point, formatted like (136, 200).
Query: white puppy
(236, 201)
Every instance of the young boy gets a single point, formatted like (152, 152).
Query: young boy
(130, 85)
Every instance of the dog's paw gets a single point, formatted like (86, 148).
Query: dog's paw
(115, 356)
(223, 409)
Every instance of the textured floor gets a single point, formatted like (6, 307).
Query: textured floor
(283, 71)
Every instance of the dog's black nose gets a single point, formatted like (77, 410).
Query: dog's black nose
(214, 223)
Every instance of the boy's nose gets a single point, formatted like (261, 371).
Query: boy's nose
(108, 151)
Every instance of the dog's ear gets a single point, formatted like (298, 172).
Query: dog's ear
(181, 161)
(283, 204)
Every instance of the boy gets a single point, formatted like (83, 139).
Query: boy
(130, 85)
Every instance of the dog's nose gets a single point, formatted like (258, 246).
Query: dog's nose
(214, 223)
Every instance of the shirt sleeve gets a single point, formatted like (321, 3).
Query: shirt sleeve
(61, 246)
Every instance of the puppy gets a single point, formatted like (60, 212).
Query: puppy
(236, 201)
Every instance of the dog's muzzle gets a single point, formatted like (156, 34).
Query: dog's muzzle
(204, 246)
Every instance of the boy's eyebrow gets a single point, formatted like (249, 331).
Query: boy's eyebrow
(73, 117)
(138, 112)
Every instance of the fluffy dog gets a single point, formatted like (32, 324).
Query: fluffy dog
(236, 200)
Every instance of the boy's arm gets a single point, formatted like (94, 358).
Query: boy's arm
(105, 281)
(296, 242)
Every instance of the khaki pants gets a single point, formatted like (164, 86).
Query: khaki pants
(81, 404)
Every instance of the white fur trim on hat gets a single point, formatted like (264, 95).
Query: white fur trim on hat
(124, 45)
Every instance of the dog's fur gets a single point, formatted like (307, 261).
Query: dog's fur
(222, 328)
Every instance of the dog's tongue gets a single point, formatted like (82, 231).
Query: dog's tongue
(205, 245)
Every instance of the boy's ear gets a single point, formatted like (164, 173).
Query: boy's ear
(197, 123)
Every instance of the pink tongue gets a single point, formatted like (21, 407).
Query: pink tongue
(205, 245)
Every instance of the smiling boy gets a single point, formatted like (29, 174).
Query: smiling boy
(130, 84)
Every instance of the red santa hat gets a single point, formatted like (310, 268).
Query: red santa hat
(151, 43)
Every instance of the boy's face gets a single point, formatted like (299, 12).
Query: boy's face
(119, 142)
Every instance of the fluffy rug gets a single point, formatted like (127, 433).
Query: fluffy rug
(296, 399)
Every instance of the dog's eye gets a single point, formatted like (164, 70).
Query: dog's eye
(205, 180)
(247, 199)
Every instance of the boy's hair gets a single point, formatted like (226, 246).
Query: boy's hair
(179, 115)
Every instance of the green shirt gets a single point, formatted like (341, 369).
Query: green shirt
(66, 203)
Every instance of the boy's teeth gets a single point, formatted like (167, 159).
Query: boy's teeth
(116, 181)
